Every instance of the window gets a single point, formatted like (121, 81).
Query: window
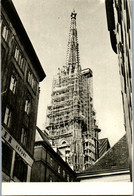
(16, 54)
(20, 169)
(5, 33)
(67, 177)
(50, 179)
(58, 169)
(7, 118)
(22, 64)
(19, 58)
(64, 173)
(27, 106)
(63, 143)
(31, 80)
(23, 136)
(51, 161)
(6, 158)
(67, 151)
(13, 84)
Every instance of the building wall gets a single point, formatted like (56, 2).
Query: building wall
(19, 94)
(123, 28)
(121, 41)
(109, 178)
(48, 168)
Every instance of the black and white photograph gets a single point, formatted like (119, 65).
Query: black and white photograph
(66, 91)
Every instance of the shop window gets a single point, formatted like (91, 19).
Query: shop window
(7, 117)
(27, 106)
(6, 158)
(13, 84)
(20, 169)
(23, 136)
(5, 33)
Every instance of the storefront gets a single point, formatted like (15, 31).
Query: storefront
(16, 163)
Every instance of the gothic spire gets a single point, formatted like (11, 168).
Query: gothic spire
(73, 47)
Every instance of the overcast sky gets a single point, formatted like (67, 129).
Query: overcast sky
(47, 23)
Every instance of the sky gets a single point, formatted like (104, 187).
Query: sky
(47, 24)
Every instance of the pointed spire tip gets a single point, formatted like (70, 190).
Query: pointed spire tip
(73, 14)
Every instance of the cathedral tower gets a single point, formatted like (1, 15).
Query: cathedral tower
(70, 117)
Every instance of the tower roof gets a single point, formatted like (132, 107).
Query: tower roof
(73, 61)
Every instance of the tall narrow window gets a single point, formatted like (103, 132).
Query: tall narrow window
(22, 64)
(19, 59)
(7, 117)
(59, 169)
(64, 174)
(23, 136)
(32, 83)
(50, 179)
(31, 80)
(27, 106)
(20, 169)
(67, 177)
(16, 54)
(13, 84)
(6, 158)
(5, 33)
(29, 77)
(51, 161)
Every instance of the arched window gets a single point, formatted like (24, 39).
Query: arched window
(64, 142)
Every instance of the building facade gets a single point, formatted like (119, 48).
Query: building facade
(48, 165)
(71, 117)
(21, 73)
(119, 22)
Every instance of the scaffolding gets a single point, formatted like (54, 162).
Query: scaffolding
(72, 125)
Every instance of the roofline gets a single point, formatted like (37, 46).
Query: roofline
(89, 169)
(108, 150)
(44, 144)
(101, 173)
(104, 138)
(23, 37)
